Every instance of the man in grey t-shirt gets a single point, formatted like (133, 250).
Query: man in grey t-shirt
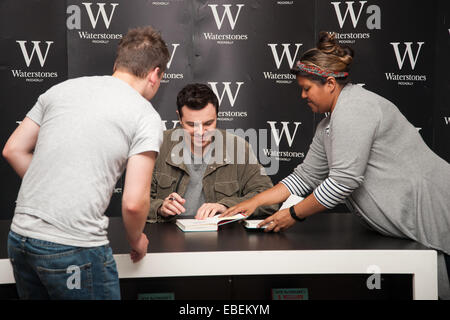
(70, 150)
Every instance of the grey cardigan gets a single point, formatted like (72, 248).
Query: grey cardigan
(368, 154)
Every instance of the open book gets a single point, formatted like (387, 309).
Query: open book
(208, 224)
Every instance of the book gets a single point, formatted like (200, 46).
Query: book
(208, 224)
(253, 224)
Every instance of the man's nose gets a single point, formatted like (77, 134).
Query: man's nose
(198, 128)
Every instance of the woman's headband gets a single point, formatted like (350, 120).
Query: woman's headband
(311, 69)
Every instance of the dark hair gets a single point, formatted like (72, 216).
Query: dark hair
(141, 50)
(196, 96)
(328, 55)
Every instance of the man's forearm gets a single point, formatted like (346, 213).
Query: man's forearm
(134, 219)
(19, 161)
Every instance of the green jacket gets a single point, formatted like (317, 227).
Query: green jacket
(228, 182)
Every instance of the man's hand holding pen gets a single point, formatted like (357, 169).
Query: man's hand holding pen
(172, 205)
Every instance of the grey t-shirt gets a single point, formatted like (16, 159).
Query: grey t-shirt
(89, 127)
(196, 166)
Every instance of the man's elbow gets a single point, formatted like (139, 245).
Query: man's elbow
(12, 151)
(136, 207)
(8, 152)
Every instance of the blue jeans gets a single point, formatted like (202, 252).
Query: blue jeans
(47, 270)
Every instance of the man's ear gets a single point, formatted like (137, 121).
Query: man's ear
(154, 75)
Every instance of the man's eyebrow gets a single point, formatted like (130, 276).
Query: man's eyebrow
(193, 122)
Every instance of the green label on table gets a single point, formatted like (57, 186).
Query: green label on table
(290, 294)
(156, 296)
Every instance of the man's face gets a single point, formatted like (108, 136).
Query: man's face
(199, 124)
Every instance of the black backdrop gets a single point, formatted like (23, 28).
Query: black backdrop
(243, 50)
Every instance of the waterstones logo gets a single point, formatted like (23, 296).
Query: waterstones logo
(404, 53)
(165, 3)
(289, 134)
(226, 90)
(220, 16)
(31, 53)
(94, 13)
(349, 14)
(168, 75)
(447, 120)
(231, 94)
(174, 124)
(288, 54)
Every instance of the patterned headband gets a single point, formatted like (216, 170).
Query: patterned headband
(311, 69)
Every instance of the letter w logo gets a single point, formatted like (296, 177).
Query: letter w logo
(285, 130)
(286, 52)
(412, 59)
(226, 12)
(349, 10)
(175, 46)
(37, 49)
(101, 10)
(231, 97)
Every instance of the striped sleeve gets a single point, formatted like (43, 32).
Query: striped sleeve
(296, 185)
(330, 193)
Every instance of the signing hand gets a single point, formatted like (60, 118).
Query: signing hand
(279, 221)
(172, 205)
(209, 210)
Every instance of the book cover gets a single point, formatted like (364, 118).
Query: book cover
(209, 224)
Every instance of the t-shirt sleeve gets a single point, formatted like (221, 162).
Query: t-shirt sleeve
(148, 135)
(37, 111)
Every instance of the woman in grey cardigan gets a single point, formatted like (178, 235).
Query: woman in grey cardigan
(367, 154)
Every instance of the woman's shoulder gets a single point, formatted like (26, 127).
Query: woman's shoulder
(356, 96)
(356, 103)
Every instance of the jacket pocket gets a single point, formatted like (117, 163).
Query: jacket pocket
(229, 188)
(163, 180)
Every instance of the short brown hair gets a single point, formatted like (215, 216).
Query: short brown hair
(141, 50)
(196, 96)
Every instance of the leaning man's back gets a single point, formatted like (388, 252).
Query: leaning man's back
(89, 127)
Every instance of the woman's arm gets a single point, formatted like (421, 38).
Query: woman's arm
(283, 219)
(274, 195)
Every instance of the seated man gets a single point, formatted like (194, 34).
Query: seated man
(209, 170)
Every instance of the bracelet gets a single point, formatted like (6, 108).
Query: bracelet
(294, 215)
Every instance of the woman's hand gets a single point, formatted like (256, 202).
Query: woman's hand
(279, 221)
(246, 207)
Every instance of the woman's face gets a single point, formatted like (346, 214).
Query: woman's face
(318, 96)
